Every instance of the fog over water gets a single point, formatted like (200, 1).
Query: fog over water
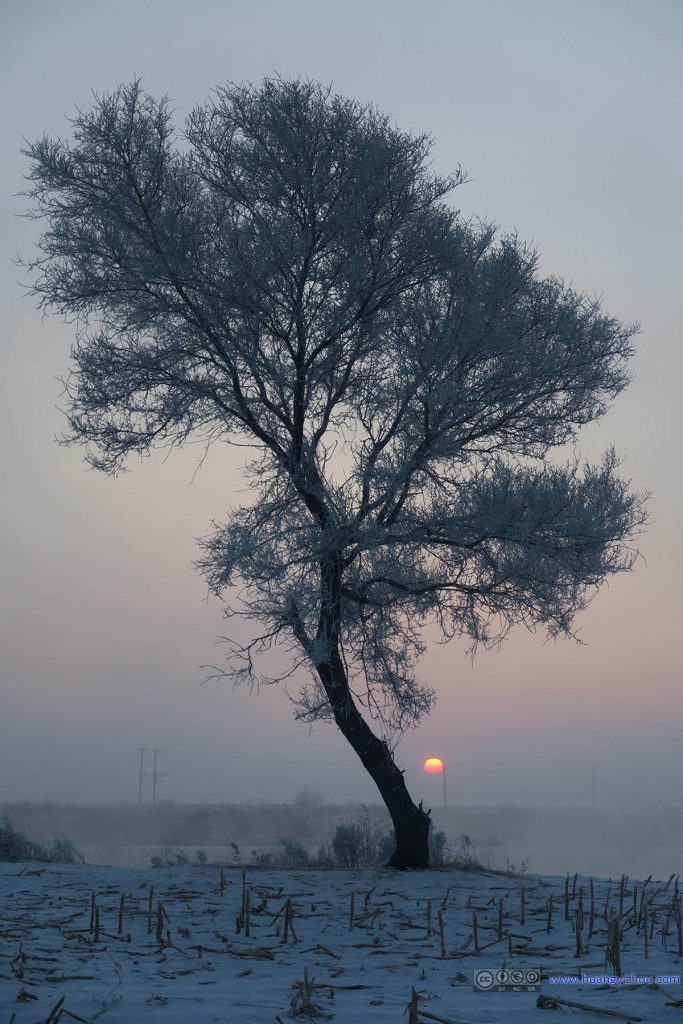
(526, 840)
(565, 116)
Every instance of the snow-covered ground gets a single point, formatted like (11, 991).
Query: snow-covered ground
(177, 949)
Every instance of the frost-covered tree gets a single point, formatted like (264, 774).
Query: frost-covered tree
(286, 272)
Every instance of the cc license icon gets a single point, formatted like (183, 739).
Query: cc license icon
(484, 979)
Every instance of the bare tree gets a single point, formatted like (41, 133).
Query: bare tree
(286, 272)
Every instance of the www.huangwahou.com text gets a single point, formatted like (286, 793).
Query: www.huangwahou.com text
(614, 979)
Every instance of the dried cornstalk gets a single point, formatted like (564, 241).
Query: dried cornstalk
(121, 911)
(605, 912)
(412, 1008)
(614, 944)
(289, 921)
(579, 939)
(555, 1002)
(646, 951)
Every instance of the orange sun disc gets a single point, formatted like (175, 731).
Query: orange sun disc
(434, 765)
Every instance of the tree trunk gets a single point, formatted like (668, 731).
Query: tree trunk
(411, 823)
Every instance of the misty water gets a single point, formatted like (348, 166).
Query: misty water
(546, 841)
(604, 862)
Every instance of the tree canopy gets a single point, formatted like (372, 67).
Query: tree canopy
(288, 271)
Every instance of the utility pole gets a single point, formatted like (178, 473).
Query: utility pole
(142, 774)
(145, 775)
(155, 774)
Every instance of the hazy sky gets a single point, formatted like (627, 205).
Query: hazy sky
(566, 113)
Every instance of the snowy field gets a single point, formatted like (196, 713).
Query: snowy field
(198, 945)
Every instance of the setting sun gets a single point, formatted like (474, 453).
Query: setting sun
(433, 765)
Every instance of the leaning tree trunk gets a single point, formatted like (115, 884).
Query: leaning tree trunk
(411, 823)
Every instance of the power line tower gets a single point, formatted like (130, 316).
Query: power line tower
(141, 775)
(154, 774)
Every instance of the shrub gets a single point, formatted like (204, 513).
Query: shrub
(359, 844)
(465, 856)
(63, 851)
(512, 869)
(290, 855)
(262, 859)
(293, 855)
(16, 847)
(13, 845)
(170, 859)
(438, 850)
